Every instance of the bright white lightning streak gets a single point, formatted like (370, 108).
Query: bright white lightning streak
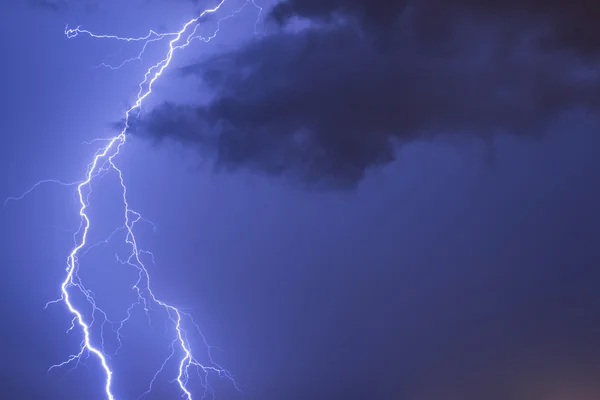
(103, 161)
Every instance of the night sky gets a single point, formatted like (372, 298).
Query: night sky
(383, 200)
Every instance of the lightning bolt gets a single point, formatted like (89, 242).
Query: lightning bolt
(103, 162)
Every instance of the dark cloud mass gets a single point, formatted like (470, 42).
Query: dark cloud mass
(379, 14)
(326, 104)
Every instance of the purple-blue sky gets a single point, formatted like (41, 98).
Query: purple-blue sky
(440, 276)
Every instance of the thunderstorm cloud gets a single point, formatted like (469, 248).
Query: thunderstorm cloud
(326, 103)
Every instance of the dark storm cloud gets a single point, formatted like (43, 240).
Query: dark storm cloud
(571, 24)
(377, 14)
(326, 104)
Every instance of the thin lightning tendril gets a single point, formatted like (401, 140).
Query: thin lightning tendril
(103, 162)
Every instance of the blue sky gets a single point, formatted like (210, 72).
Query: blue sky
(438, 270)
